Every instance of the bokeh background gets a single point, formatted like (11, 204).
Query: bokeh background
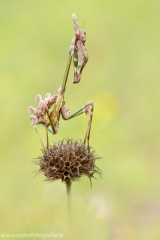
(122, 78)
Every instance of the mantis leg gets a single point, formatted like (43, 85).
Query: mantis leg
(75, 114)
(38, 135)
(47, 137)
(85, 109)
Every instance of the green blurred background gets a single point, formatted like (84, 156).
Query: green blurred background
(122, 78)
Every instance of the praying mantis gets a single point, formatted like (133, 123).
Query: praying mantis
(50, 119)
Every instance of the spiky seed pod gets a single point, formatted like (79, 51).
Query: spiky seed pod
(68, 160)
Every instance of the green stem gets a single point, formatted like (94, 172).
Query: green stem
(68, 186)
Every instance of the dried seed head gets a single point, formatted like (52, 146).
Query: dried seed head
(68, 160)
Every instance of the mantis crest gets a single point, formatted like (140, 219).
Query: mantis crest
(49, 110)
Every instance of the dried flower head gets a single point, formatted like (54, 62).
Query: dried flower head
(68, 160)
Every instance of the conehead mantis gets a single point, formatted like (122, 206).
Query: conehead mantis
(50, 119)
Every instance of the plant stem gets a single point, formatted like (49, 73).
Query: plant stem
(68, 186)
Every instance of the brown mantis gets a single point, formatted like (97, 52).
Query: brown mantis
(50, 120)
